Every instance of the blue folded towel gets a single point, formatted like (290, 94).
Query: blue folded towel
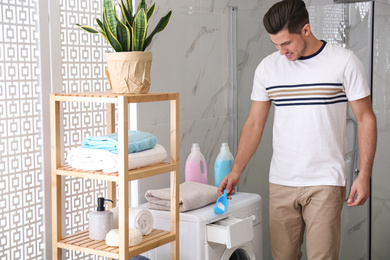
(138, 141)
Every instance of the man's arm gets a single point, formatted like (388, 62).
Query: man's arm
(367, 137)
(249, 140)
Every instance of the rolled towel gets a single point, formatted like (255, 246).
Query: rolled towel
(115, 218)
(139, 218)
(96, 159)
(193, 195)
(112, 237)
(138, 141)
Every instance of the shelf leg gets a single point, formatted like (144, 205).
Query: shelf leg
(56, 221)
(175, 252)
(175, 177)
(110, 118)
(123, 177)
(111, 186)
(111, 194)
(55, 179)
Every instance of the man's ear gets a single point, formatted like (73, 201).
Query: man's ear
(306, 30)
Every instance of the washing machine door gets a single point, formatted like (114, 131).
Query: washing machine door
(242, 252)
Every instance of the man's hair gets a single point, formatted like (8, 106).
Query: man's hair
(290, 14)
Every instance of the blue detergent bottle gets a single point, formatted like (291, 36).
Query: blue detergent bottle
(223, 164)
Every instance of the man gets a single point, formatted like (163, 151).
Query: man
(310, 82)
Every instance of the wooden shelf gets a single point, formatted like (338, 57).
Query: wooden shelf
(80, 241)
(133, 174)
(108, 97)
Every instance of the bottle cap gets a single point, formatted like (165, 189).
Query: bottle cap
(101, 204)
(224, 146)
(195, 146)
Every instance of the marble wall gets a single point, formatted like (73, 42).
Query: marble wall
(191, 57)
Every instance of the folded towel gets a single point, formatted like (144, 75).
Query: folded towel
(96, 159)
(193, 195)
(138, 141)
(139, 218)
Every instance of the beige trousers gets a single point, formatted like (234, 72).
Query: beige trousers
(316, 208)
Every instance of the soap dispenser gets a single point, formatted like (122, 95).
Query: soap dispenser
(100, 221)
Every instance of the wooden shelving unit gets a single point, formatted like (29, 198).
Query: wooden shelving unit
(80, 241)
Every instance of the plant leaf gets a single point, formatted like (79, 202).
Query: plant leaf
(101, 26)
(124, 35)
(139, 30)
(103, 32)
(109, 10)
(129, 6)
(150, 11)
(127, 13)
(92, 30)
(162, 24)
(142, 5)
(111, 38)
(87, 28)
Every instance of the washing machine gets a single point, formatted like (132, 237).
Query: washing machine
(204, 235)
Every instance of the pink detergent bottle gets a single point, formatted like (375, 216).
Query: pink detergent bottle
(196, 168)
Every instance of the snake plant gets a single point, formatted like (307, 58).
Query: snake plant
(129, 33)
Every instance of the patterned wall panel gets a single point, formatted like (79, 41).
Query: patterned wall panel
(21, 176)
(83, 65)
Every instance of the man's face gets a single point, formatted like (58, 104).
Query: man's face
(293, 46)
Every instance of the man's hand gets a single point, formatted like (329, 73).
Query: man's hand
(361, 188)
(229, 182)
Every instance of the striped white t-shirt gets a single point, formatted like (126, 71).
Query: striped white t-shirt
(310, 97)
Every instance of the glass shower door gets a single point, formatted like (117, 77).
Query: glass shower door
(348, 26)
(380, 249)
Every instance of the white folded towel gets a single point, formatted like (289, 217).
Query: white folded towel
(193, 195)
(139, 218)
(97, 159)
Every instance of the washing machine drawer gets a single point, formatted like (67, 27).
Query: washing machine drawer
(230, 231)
